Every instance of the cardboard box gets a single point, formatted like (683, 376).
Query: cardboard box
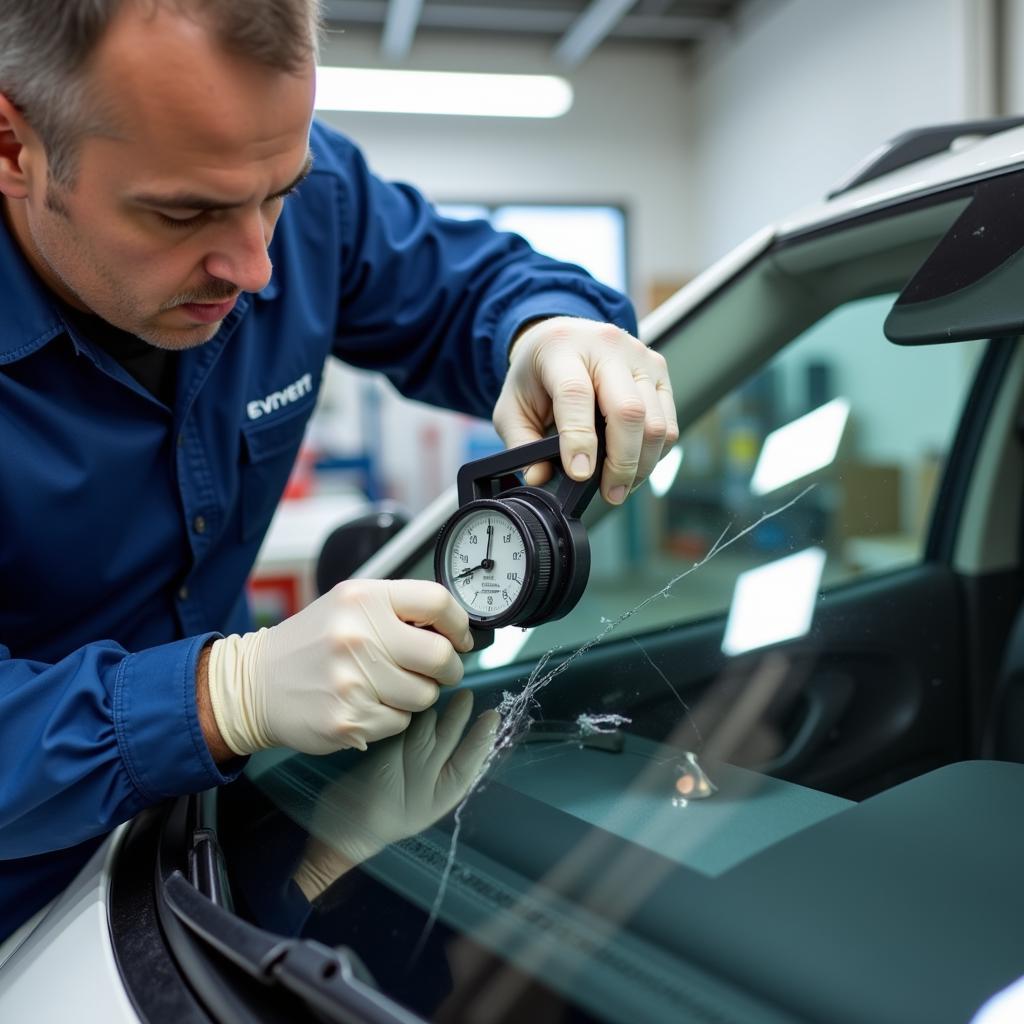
(869, 499)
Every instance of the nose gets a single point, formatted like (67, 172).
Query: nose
(240, 253)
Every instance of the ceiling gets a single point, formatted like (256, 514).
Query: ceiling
(575, 28)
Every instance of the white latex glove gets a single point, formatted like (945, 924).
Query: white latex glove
(400, 788)
(558, 369)
(344, 672)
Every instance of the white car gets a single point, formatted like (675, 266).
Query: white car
(769, 768)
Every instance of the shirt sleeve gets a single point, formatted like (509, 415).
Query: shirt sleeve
(90, 741)
(433, 302)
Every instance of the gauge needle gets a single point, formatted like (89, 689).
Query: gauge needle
(469, 572)
(488, 562)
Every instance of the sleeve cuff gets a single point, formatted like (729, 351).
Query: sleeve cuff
(157, 723)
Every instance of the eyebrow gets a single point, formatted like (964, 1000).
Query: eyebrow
(196, 201)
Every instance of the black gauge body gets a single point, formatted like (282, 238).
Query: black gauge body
(511, 554)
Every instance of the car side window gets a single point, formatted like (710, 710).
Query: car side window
(863, 423)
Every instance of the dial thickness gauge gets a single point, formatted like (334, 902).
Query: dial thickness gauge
(486, 557)
(513, 554)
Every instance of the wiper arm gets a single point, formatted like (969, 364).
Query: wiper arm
(324, 978)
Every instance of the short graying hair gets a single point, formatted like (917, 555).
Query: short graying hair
(45, 46)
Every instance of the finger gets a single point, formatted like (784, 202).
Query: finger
(396, 687)
(450, 727)
(567, 380)
(518, 420)
(625, 414)
(668, 408)
(538, 474)
(425, 653)
(655, 428)
(424, 603)
(375, 723)
(663, 387)
(522, 418)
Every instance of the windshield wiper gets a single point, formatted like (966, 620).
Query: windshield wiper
(325, 979)
(549, 730)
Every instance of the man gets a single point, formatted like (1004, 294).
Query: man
(159, 281)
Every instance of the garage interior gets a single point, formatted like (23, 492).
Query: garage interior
(692, 125)
(764, 766)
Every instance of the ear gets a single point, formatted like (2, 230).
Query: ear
(16, 143)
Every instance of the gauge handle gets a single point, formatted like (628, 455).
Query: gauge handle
(488, 477)
(482, 638)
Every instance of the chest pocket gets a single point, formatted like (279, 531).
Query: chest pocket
(269, 447)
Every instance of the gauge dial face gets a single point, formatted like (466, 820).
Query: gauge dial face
(485, 561)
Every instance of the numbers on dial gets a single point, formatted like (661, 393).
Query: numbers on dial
(485, 558)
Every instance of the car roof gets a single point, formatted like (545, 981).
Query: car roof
(975, 157)
(972, 157)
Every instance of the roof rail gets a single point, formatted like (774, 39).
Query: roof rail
(917, 144)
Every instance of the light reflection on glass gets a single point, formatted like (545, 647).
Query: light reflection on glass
(664, 473)
(692, 783)
(774, 602)
(507, 644)
(807, 444)
(1006, 1007)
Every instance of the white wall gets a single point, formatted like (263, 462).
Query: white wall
(1013, 57)
(800, 91)
(625, 140)
(792, 99)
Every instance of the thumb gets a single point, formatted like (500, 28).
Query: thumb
(517, 421)
(523, 413)
(518, 426)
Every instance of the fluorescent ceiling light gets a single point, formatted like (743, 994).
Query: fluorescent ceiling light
(664, 473)
(801, 447)
(774, 602)
(441, 92)
(507, 644)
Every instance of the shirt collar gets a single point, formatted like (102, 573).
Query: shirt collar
(30, 317)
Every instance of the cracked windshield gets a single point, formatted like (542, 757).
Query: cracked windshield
(564, 828)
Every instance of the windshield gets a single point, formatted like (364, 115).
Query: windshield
(690, 717)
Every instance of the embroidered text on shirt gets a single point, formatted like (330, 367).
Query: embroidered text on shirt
(276, 399)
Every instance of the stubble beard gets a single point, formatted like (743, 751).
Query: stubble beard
(119, 310)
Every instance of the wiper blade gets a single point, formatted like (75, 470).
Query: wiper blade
(324, 978)
(554, 731)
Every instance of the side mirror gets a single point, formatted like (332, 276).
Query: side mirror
(354, 542)
(972, 285)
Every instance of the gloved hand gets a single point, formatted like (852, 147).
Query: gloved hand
(558, 369)
(401, 787)
(344, 672)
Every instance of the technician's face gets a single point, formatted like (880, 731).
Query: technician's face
(169, 217)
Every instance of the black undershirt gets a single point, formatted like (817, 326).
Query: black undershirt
(156, 369)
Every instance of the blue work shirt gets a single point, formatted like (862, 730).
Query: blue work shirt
(129, 526)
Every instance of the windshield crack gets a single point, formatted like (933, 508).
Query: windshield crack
(515, 708)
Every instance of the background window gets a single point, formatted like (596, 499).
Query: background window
(592, 237)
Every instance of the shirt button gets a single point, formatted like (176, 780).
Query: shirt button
(183, 593)
(199, 524)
